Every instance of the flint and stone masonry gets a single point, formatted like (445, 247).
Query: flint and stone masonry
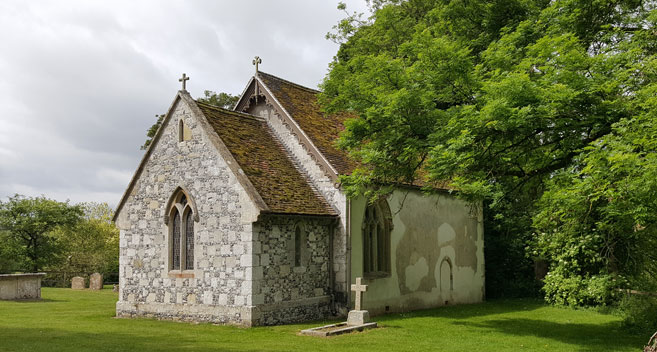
(244, 269)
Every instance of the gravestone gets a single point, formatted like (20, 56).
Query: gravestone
(96, 281)
(356, 321)
(77, 283)
(358, 316)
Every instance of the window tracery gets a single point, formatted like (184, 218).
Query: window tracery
(181, 230)
(377, 225)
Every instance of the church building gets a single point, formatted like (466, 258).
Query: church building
(237, 216)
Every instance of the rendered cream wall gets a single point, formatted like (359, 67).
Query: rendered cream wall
(426, 231)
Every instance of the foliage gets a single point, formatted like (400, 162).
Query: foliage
(150, 134)
(92, 245)
(11, 258)
(601, 219)
(222, 100)
(29, 223)
(71, 320)
(502, 99)
(640, 313)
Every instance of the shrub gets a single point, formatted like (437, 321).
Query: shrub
(576, 290)
(640, 313)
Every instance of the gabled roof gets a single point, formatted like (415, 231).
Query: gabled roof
(322, 129)
(265, 162)
(271, 191)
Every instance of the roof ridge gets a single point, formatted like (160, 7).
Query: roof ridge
(300, 168)
(290, 82)
(232, 112)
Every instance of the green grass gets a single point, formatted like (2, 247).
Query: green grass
(67, 320)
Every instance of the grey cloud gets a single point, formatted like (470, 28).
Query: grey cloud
(82, 80)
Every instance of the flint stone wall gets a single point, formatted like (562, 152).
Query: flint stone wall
(219, 288)
(290, 293)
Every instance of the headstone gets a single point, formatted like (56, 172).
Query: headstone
(96, 281)
(77, 283)
(115, 288)
(358, 316)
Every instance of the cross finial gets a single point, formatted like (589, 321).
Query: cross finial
(257, 60)
(184, 80)
(359, 288)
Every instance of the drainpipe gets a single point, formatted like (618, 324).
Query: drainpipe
(331, 277)
(348, 232)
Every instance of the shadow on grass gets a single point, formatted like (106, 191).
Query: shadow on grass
(43, 300)
(589, 337)
(465, 311)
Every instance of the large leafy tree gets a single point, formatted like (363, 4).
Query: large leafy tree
(493, 97)
(29, 223)
(92, 245)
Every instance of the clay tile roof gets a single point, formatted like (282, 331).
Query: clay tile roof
(265, 162)
(323, 130)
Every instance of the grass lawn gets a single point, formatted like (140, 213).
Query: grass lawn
(67, 320)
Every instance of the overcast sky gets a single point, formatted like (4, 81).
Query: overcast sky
(81, 81)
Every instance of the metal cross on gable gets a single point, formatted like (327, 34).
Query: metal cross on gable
(257, 60)
(184, 80)
(359, 288)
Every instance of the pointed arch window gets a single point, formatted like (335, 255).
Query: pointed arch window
(377, 225)
(181, 232)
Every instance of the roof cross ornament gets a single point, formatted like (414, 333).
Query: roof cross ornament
(257, 60)
(184, 80)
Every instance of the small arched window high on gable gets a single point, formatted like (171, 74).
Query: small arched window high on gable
(184, 132)
(181, 232)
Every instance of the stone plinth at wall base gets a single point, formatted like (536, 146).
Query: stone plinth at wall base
(358, 317)
(216, 314)
(336, 329)
(21, 286)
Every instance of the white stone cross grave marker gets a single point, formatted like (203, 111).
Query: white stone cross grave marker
(359, 288)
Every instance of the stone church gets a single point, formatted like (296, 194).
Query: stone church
(237, 216)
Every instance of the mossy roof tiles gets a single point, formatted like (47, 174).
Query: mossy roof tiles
(265, 162)
(322, 129)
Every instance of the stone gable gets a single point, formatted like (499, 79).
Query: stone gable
(221, 279)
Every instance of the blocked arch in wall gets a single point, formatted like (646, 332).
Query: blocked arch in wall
(446, 275)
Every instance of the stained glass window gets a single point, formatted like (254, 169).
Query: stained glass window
(175, 245)
(189, 241)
